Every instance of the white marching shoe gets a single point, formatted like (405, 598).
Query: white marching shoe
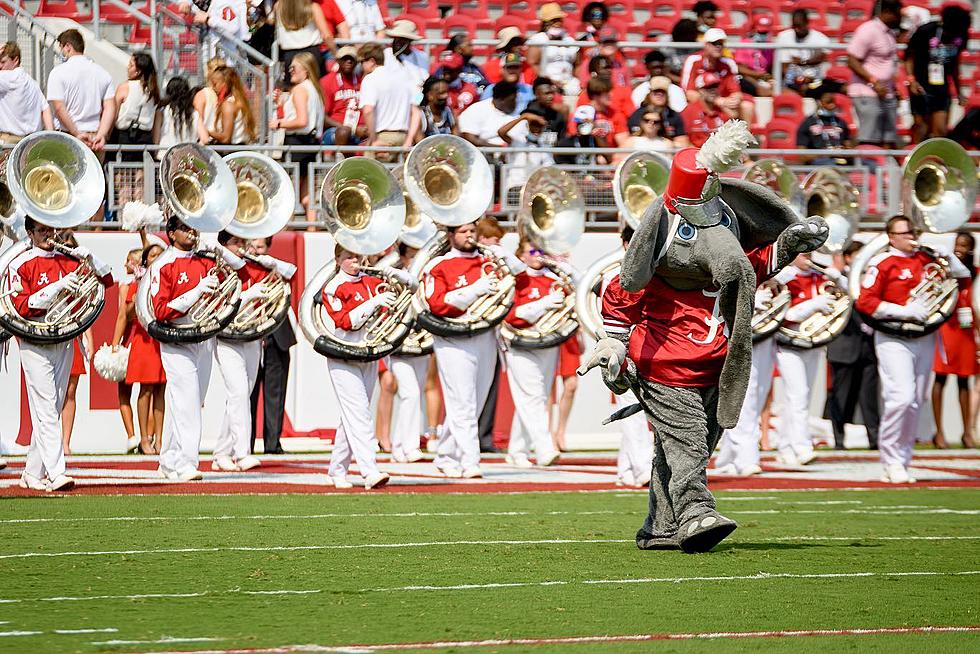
(450, 471)
(518, 461)
(545, 461)
(248, 463)
(61, 483)
(414, 456)
(398, 456)
(895, 473)
(223, 463)
(32, 482)
(376, 480)
(341, 483)
(807, 458)
(473, 473)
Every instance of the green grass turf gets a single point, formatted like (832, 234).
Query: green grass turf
(347, 611)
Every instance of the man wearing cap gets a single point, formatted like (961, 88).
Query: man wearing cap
(704, 116)
(552, 52)
(414, 63)
(656, 65)
(341, 103)
(619, 73)
(805, 63)
(363, 18)
(712, 60)
(509, 39)
(461, 94)
(754, 65)
(511, 67)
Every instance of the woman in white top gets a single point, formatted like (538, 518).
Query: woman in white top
(136, 105)
(548, 54)
(206, 97)
(178, 121)
(235, 123)
(651, 137)
(305, 124)
(301, 27)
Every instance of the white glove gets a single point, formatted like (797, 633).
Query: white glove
(46, 296)
(763, 296)
(100, 267)
(516, 265)
(229, 257)
(184, 302)
(787, 274)
(533, 311)
(803, 310)
(837, 277)
(610, 355)
(462, 298)
(402, 276)
(285, 270)
(253, 292)
(915, 310)
(956, 267)
(360, 313)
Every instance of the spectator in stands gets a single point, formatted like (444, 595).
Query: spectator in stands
(136, 100)
(967, 131)
(672, 125)
(705, 114)
(81, 94)
(705, 13)
(224, 20)
(550, 53)
(619, 72)
(711, 60)
(600, 118)
(511, 66)
(23, 109)
(461, 94)
(684, 31)
(755, 65)
(387, 96)
(472, 73)
(341, 105)
(525, 132)
(932, 62)
(177, 120)
(509, 39)
(336, 21)
(804, 66)
(872, 56)
(363, 18)
(824, 130)
(595, 15)
(436, 116)
(304, 126)
(412, 62)
(620, 96)
(480, 123)
(301, 27)
(555, 115)
(656, 65)
(206, 96)
(234, 123)
(652, 137)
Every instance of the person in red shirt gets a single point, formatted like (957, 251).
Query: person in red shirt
(704, 116)
(238, 361)
(599, 118)
(608, 49)
(620, 96)
(531, 373)
(43, 275)
(711, 60)
(336, 22)
(179, 278)
(453, 282)
(461, 94)
(351, 299)
(341, 107)
(904, 363)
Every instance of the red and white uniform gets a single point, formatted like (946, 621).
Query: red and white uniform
(46, 367)
(904, 364)
(353, 381)
(239, 365)
(678, 338)
(531, 373)
(187, 365)
(462, 361)
(695, 66)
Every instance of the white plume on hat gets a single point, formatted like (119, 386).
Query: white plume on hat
(136, 215)
(724, 148)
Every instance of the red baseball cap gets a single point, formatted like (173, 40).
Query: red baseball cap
(451, 60)
(762, 24)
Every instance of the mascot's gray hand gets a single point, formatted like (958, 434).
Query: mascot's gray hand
(806, 236)
(610, 354)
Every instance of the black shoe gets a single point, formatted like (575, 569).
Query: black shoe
(647, 542)
(491, 450)
(704, 532)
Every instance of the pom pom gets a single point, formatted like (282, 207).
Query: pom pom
(136, 215)
(110, 365)
(723, 150)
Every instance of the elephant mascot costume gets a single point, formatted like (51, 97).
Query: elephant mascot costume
(678, 329)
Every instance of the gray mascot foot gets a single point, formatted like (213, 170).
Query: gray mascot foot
(648, 542)
(704, 532)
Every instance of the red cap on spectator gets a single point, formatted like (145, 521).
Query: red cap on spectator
(451, 60)
(762, 24)
(686, 181)
(608, 35)
(707, 79)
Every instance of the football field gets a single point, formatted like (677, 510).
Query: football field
(861, 570)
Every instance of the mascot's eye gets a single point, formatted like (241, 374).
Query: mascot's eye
(686, 232)
(726, 220)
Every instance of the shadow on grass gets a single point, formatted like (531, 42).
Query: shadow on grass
(724, 547)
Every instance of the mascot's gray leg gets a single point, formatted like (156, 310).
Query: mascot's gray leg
(682, 508)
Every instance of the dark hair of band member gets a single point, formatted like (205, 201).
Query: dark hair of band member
(895, 219)
(224, 236)
(30, 224)
(627, 234)
(173, 224)
(852, 248)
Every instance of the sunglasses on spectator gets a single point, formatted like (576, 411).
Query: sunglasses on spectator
(718, 44)
(906, 233)
(652, 121)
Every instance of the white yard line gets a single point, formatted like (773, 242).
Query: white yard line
(5, 634)
(160, 641)
(107, 630)
(930, 511)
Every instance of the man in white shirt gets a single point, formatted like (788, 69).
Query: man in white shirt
(387, 99)
(803, 66)
(363, 18)
(481, 122)
(414, 63)
(23, 109)
(81, 93)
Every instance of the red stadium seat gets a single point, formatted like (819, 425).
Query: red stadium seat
(781, 134)
(787, 105)
(427, 8)
(619, 10)
(509, 20)
(472, 8)
(458, 24)
(421, 22)
(114, 14)
(658, 25)
(525, 8)
(62, 9)
(849, 26)
(974, 100)
(670, 8)
(846, 110)
(859, 10)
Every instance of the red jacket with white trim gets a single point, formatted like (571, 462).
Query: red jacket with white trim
(345, 293)
(890, 277)
(529, 286)
(452, 271)
(180, 272)
(34, 270)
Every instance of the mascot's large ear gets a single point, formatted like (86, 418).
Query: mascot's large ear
(762, 215)
(646, 248)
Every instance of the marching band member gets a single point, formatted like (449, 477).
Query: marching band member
(531, 372)
(239, 364)
(351, 299)
(798, 367)
(453, 282)
(43, 273)
(904, 364)
(410, 373)
(181, 280)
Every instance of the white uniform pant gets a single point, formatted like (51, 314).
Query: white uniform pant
(353, 383)
(904, 367)
(465, 367)
(740, 444)
(531, 375)
(798, 368)
(188, 368)
(636, 447)
(239, 365)
(46, 372)
(410, 373)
